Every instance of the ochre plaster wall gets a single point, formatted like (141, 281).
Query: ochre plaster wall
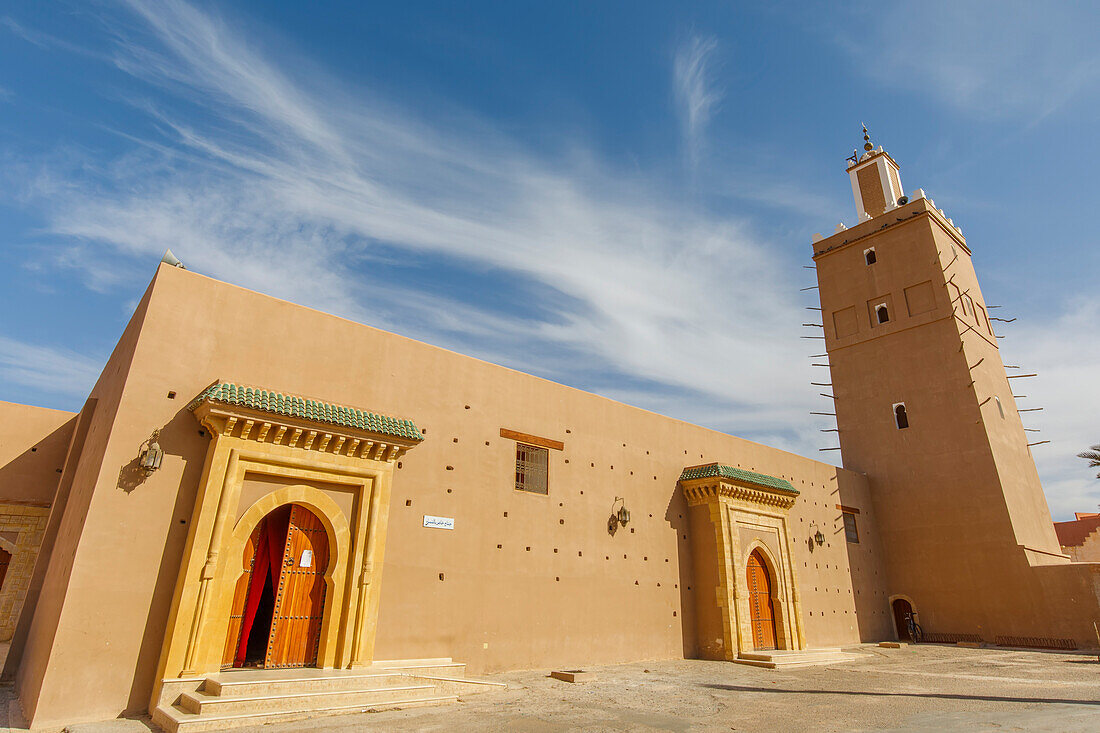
(33, 441)
(33, 444)
(527, 580)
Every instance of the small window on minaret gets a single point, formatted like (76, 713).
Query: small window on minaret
(1000, 407)
(882, 313)
(900, 416)
(869, 255)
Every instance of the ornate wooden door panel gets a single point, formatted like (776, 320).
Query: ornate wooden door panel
(300, 597)
(760, 603)
(240, 596)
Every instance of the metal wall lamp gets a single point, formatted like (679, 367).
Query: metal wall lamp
(151, 455)
(620, 518)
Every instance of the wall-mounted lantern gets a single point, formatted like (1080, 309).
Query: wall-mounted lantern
(151, 454)
(620, 518)
(819, 538)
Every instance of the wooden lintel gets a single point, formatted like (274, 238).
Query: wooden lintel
(532, 439)
(849, 509)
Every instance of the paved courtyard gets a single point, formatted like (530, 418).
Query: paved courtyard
(928, 687)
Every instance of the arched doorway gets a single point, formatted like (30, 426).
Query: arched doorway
(761, 615)
(902, 610)
(279, 599)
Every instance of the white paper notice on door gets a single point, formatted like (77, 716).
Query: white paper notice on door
(307, 559)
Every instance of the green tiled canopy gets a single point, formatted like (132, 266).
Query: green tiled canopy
(712, 470)
(278, 403)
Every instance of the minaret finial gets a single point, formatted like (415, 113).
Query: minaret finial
(867, 139)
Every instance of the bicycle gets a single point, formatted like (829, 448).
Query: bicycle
(916, 633)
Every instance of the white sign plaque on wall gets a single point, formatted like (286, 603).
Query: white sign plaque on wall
(439, 522)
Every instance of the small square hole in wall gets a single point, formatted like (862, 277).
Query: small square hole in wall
(408, 502)
(631, 530)
(171, 394)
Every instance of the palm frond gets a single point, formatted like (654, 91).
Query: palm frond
(1092, 455)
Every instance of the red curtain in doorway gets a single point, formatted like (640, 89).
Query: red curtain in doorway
(268, 559)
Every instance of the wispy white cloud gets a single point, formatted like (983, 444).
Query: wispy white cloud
(1066, 355)
(697, 94)
(294, 187)
(990, 59)
(46, 368)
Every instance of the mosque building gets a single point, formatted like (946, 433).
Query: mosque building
(265, 512)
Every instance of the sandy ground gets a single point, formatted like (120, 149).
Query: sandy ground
(931, 688)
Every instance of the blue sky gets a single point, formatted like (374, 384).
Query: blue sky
(618, 196)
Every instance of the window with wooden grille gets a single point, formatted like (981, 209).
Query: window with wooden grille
(531, 468)
(851, 532)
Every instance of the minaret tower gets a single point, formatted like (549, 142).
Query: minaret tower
(925, 408)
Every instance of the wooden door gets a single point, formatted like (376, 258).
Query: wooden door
(240, 596)
(760, 603)
(902, 611)
(300, 597)
(5, 560)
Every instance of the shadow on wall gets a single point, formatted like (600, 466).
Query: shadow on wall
(33, 475)
(676, 514)
(185, 439)
(874, 619)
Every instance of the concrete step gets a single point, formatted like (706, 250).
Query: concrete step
(250, 697)
(431, 667)
(207, 705)
(177, 720)
(229, 684)
(788, 659)
(457, 685)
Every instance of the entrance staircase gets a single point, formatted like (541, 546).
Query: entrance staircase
(789, 659)
(237, 698)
